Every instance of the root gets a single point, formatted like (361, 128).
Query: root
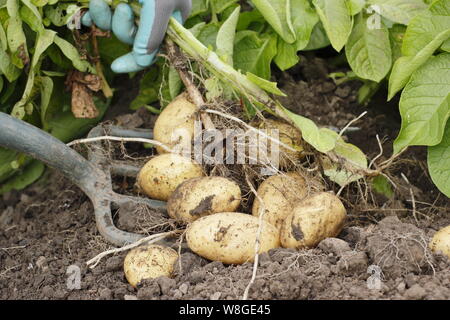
(147, 240)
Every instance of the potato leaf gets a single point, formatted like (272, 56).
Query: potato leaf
(439, 163)
(399, 11)
(225, 37)
(369, 51)
(278, 15)
(425, 104)
(304, 18)
(336, 19)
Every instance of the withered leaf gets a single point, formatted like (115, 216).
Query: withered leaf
(82, 102)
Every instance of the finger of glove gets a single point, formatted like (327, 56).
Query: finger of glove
(126, 63)
(185, 7)
(86, 19)
(123, 23)
(101, 14)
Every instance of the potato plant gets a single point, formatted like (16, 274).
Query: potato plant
(400, 43)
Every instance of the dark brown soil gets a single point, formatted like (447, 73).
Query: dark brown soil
(49, 227)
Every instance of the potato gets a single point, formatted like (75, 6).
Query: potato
(199, 197)
(279, 194)
(147, 262)
(175, 125)
(317, 217)
(288, 135)
(441, 241)
(161, 175)
(230, 237)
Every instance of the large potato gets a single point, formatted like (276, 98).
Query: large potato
(175, 125)
(161, 175)
(441, 241)
(203, 196)
(288, 135)
(312, 220)
(147, 262)
(279, 194)
(230, 237)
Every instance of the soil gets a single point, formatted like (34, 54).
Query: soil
(49, 227)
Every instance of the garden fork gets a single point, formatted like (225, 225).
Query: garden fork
(92, 175)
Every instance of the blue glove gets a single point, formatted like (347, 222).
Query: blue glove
(146, 39)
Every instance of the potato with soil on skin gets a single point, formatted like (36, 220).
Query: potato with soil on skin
(287, 134)
(279, 194)
(203, 196)
(175, 125)
(164, 173)
(314, 219)
(230, 237)
(148, 262)
(441, 241)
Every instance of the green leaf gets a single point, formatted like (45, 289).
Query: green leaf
(320, 139)
(10, 71)
(198, 7)
(254, 53)
(304, 18)
(382, 185)
(278, 15)
(44, 40)
(439, 163)
(221, 5)
(287, 56)
(29, 174)
(226, 35)
(355, 161)
(399, 11)
(336, 19)
(264, 84)
(72, 54)
(422, 30)
(356, 6)
(405, 66)
(46, 88)
(425, 104)
(175, 83)
(31, 16)
(319, 38)
(396, 34)
(369, 51)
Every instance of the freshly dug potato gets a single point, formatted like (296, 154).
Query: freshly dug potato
(288, 135)
(161, 175)
(147, 262)
(279, 194)
(203, 196)
(175, 125)
(312, 220)
(441, 241)
(230, 237)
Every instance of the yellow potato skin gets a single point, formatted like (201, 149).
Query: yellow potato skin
(317, 217)
(279, 193)
(175, 121)
(162, 174)
(230, 237)
(288, 135)
(203, 196)
(147, 262)
(441, 241)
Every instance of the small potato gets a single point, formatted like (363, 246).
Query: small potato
(199, 197)
(230, 237)
(175, 125)
(279, 194)
(287, 134)
(161, 175)
(312, 220)
(147, 262)
(441, 241)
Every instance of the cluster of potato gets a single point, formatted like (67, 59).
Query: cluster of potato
(291, 216)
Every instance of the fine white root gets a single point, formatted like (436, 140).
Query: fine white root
(147, 240)
(120, 139)
(262, 211)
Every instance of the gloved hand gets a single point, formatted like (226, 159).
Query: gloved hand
(146, 39)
